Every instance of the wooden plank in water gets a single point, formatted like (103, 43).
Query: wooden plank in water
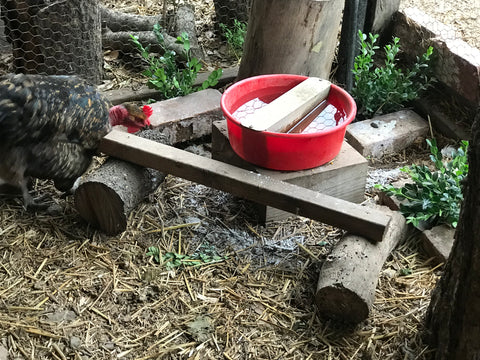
(357, 219)
(290, 107)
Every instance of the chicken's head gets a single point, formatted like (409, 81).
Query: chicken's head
(133, 117)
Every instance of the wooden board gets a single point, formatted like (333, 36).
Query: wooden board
(344, 177)
(355, 218)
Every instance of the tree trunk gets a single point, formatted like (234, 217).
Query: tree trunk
(120, 21)
(453, 318)
(62, 37)
(291, 36)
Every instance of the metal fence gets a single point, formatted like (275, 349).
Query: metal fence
(47, 37)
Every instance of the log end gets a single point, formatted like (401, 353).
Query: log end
(101, 206)
(341, 304)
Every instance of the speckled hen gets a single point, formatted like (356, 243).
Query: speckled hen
(50, 128)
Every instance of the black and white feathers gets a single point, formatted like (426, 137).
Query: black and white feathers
(50, 127)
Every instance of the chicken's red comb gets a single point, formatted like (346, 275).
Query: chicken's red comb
(147, 110)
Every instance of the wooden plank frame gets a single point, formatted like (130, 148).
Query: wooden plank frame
(357, 219)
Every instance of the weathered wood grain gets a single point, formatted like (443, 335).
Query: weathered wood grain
(355, 218)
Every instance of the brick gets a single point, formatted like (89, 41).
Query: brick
(188, 117)
(438, 241)
(386, 134)
(457, 64)
(344, 177)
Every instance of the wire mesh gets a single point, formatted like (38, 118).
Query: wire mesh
(227, 11)
(45, 37)
(50, 38)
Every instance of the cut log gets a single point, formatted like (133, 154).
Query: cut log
(119, 26)
(121, 21)
(185, 22)
(108, 194)
(289, 107)
(358, 219)
(348, 278)
(121, 40)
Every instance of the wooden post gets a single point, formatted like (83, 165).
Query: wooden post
(291, 36)
(369, 16)
(379, 17)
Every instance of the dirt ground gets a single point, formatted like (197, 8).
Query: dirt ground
(68, 291)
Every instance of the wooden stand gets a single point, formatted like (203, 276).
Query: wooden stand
(357, 219)
(343, 178)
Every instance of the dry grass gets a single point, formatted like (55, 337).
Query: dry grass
(69, 292)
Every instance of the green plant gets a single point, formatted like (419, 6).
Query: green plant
(169, 75)
(235, 37)
(174, 260)
(434, 197)
(387, 88)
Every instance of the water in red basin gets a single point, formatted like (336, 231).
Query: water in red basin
(316, 145)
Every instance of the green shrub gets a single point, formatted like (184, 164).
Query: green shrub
(171, 76)
(434, 197)
(387, 88)
(235, 37)
(173, 260)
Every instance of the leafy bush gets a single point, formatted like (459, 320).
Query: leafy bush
(386, 89)
(166, 75)
(435, 196)
(235, 37)
(173, 260)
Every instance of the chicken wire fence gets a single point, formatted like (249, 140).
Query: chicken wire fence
(33, 38)
(37, 37)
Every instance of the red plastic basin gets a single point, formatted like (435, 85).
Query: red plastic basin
(281, 151)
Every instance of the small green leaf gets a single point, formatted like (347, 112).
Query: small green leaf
(405, 272)
(436, 196)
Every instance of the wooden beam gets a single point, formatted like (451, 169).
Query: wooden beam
(360, 220)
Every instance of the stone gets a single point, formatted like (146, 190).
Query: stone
(386, 134)
(62, 315)
(75, 342)
(3, 353)
(438, 241)
(188, 117)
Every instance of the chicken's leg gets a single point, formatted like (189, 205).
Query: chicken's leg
(29, 202)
